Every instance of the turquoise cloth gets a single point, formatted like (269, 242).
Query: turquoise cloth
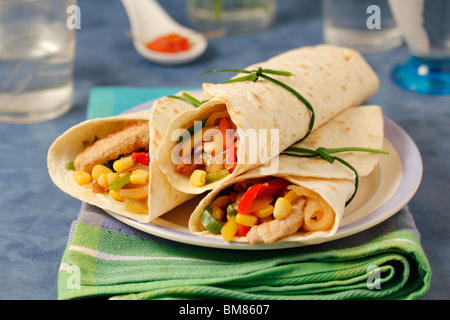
(110, 101)
(105, 257)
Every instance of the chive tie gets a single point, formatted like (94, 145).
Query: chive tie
(254, 75)
(186, 97)
(325, 154)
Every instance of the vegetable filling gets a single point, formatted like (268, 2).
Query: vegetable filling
(124, 177)
(266, 210)
(210, 156)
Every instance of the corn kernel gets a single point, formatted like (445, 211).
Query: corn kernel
(103, 180)
(229, 229)
(247, 220)
(113, 176)
(291, 196)
(282, 208)
(264, 212)
(98, 170)
(198, 178)
(217, 213)
(123, 164)
(81, 177)
(139, 176)
(115, 195)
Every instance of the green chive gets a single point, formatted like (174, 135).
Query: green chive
(325, 153)
(255, 74)
(189, 99)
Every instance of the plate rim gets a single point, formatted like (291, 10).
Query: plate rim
(412, 171)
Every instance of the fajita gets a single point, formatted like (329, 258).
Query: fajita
(330, 78)
(305, 199)
(112, 162)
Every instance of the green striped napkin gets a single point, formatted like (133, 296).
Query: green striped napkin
(105, 257)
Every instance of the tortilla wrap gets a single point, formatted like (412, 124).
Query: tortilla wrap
(162, 197)
(331, 78)
(334, 183)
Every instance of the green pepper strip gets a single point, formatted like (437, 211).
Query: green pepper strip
(70, 166)
(119, 183)
(325, 154)
(216, 176)
(231, 209)
(208, 221)
(253, 75)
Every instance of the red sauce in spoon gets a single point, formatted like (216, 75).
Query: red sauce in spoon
(171, 43)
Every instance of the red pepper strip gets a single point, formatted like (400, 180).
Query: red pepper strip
(273, 187)
(224, 125)
(228, 144)
(244, 204)
(242, 230)
(231, 162)
(141, 157)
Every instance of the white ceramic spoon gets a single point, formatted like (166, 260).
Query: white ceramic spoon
(149, 21)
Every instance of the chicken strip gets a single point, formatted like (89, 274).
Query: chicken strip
(274, 230)
(132, 138)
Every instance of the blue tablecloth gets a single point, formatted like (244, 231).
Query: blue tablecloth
(36, 216)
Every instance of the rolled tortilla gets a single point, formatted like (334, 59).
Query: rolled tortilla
(162, 196)
(314, 178)
(331, 78)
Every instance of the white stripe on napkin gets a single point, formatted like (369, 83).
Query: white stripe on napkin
(108, 256)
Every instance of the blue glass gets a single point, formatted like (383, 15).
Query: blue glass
(425, 76)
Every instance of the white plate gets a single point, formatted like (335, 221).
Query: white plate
(380, 195)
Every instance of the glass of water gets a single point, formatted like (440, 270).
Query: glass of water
(426, 28)
(235, 16)
(365, 25)
(37, 45)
